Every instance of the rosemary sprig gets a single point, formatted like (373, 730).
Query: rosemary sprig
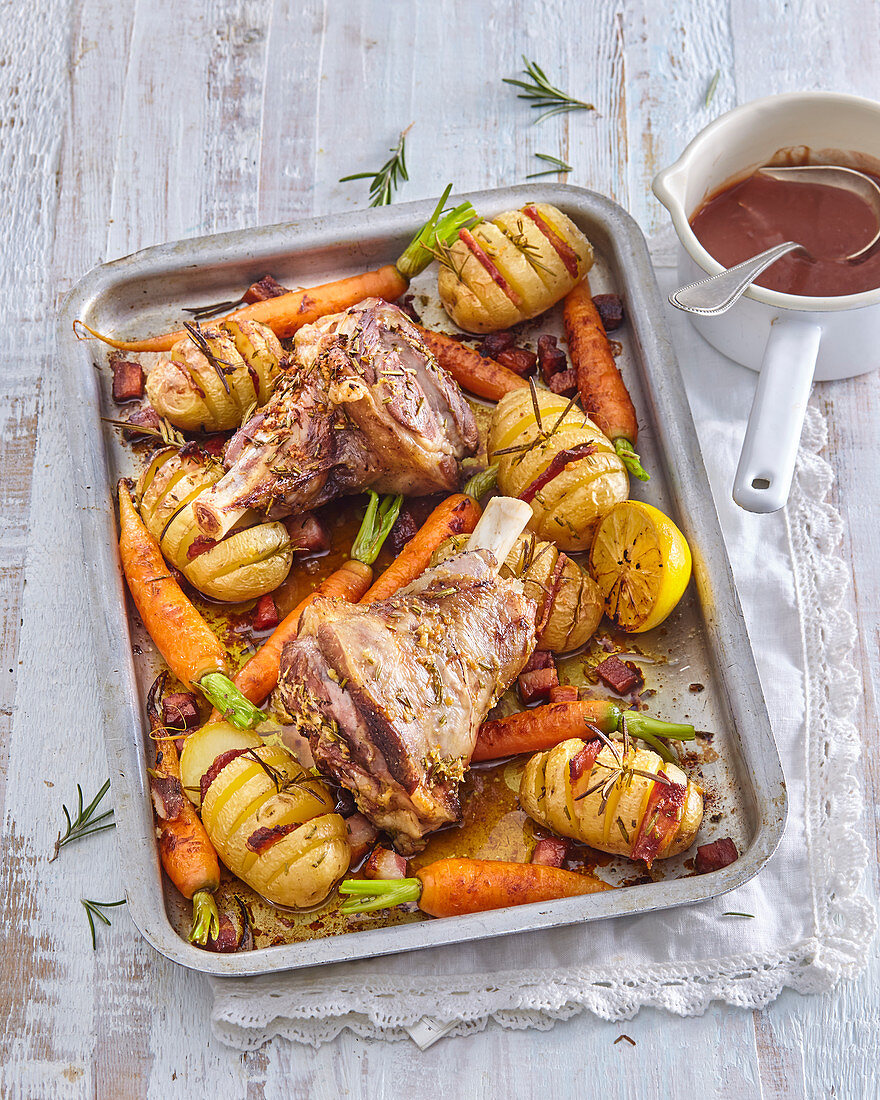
(713, 86)
(388, 178)
(221, 367)
(93, 909)
(84, 824)
(556, 165)
(545, 97)
(165, 432)
(530, 252)
(443, 254)
(203, 313)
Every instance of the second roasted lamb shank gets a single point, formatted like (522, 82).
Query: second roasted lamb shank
(363, 404)
(392, 695)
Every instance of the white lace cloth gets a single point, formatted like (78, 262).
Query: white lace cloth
(811, 927)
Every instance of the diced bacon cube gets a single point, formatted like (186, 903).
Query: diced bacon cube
(128, 380)
(496, 342)
(540, 658)
(564, 383)
(519, 360)
(385, 864)
(564, 693)
(534, 687)
(308, 534)
(266, 288)
(265, 614)
(550, 851)
(180, 711)
(362, 835)
(146, 417)
(551, 359)
(714, 856)
(618, 676)
(610, 310)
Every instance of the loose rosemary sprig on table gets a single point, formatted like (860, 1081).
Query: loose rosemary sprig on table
(713, 85)
(388, 178)
(556, 164)
(546, 98)
(93, 909)
(84, 824)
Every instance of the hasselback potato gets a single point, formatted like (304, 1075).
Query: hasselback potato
(557, 461)
(248, 562)
(514, 267)
(214, 377)
(621, 815)
(272, 823)
(568, 599)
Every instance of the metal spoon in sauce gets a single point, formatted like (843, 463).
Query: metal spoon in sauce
(717, 293)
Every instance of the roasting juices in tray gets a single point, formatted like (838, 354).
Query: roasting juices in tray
(401, 620)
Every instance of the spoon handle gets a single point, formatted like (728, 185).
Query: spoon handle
(716, 293)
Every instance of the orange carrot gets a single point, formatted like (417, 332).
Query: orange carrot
(452, 887)
(289, 312)
(471, 371)
(603, 394)
(187, 854)
(543, 727)
(456, 515)
(260, 675)
(180, 633)
(256, 679)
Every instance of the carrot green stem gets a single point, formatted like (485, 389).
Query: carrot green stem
(222, 693)
(206, 919)
(650, 730)
(627, 455)
(371, 894)
(638, 725)
(481, 483)
(375, 527)
(441, 228)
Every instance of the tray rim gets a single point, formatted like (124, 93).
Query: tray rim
(695, 510)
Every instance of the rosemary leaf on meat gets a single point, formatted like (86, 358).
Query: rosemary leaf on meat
(93, 909)
(556, 165)
(389, 177)
(545, 97)
(85, 823)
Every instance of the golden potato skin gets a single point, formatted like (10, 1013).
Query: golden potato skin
(187, 388)
(576, 608)
(299, 869)
(568, 508)
(533, 274)
(249, 562)
(545, 794)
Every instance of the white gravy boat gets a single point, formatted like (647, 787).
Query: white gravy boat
(791, 339)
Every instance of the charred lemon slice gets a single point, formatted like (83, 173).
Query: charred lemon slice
(641, 563)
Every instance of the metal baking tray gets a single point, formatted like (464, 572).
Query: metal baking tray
(705, 641)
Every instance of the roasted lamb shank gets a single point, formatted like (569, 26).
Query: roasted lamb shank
(363, 404)
(392, 695)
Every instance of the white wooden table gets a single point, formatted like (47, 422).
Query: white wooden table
(126, 124)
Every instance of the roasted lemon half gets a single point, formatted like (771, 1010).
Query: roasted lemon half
(641, 563)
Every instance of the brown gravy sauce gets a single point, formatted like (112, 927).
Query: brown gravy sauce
(748, 216)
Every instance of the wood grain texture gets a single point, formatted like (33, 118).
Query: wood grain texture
(127, 124)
